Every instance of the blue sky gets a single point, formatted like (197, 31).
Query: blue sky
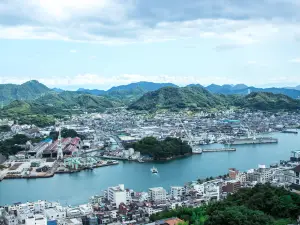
(103, 43)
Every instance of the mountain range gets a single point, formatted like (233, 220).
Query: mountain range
(128, 93)
(244, 90)
(196, 97)
(142, 95)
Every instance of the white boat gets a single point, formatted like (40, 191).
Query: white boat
(154, 170)
(196, 150)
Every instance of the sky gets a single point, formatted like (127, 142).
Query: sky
(103, 43)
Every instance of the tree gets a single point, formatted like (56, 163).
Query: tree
(239, 215)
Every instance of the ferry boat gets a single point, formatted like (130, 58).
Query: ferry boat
(196, 150)
(154, 170)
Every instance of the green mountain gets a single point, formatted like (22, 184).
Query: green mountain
(44, 109)
(178, 98)
(128, 93)
(198, 97)
(268, 101)
(27, 91)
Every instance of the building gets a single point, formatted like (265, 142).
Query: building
(233, 173)
(232, 186)
(55, 213)
(117, 195)
(37, 219)
(157, 194)
(177, 192)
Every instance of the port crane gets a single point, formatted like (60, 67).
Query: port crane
(191, 141)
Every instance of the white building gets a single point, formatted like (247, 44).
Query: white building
(150, 210)
(117, 194)
(199, 188)
(157, 194)
(36, 220)
(177, 192)
(11, 219)
(55, 213)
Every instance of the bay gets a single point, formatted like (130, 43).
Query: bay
(74, 189)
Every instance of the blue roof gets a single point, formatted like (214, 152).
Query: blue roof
(47, 140)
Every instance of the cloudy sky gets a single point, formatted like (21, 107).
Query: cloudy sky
(102, 43)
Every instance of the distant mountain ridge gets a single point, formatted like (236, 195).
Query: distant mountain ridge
(244, 90)
(27, 91)
(129, 92)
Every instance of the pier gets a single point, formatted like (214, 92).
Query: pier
(220, 150)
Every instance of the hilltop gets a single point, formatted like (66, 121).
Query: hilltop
(42, 110)
(178, 98)
(128, 93)
(27, 91)
(198, 97)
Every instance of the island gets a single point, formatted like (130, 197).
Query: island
(169, 148)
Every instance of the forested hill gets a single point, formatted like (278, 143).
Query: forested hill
(27, 91)
(179, 98)
(198, 97)
(42, 110)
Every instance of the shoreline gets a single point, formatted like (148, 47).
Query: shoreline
(58, 172)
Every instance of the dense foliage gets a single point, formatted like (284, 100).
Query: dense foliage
(260, 205)
(4, 128)
(10, 146)
(160, 150)
(65, 133)
(196, 97)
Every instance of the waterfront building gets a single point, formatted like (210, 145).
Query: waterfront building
(37, 219)
(177, 192)
(157, 194)
(55, 213)
(117, 195)
(233, 173)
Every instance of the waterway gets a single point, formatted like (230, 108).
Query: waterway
(73, 189)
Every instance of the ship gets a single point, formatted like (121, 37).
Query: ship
(259, 140)
(154, 170)
(196, 150)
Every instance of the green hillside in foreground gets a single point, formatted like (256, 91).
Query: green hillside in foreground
(261, 205)
(198, 97)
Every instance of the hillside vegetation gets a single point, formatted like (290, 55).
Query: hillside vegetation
(44, 109)
(178, 98)
(161, 150)
(27, 91)
(261, 205)
(197, 97)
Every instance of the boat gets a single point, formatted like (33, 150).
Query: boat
(154, 170)
(196, 150)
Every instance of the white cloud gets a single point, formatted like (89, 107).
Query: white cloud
(296, 60)
(89, 80)
(73, 50)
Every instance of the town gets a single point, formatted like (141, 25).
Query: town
(104, 137)
(120, 205)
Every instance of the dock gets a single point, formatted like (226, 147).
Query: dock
(220, 150)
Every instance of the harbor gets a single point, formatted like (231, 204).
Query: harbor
(138, 176)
